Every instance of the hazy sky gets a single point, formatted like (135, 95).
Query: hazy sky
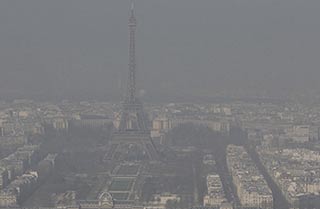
(184, 47)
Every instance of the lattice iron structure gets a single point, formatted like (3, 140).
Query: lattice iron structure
(133, 129)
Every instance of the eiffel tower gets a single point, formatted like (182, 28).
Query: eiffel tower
(132, 140)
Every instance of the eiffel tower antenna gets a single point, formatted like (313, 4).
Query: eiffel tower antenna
(132, 6)
(131, 91)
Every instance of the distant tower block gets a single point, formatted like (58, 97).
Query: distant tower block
(132, 140)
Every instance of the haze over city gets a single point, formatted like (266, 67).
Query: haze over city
(185, 48)
(171, 104)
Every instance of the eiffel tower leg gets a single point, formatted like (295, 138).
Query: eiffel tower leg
(145, 148)
(151, 150)
(114, 151)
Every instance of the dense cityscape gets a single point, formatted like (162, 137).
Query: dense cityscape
(227, 155)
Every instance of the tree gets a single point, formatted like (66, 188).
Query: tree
(172, 204)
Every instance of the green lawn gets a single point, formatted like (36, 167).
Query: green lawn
(121, 184)
(120, 196)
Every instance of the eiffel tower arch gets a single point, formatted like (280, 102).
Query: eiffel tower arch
(132, 140)
(132, 147)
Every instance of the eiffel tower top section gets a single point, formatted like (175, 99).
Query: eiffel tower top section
(131, 89)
